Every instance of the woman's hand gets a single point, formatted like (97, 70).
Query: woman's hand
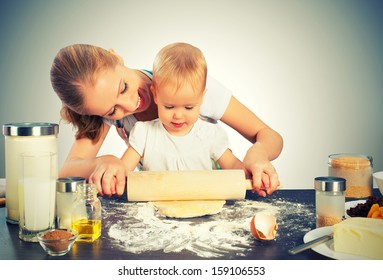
(109, 176)
(258, 167)
(267, 145)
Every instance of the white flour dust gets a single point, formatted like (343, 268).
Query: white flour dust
(137, 228)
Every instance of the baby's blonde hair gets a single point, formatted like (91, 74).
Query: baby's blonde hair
(180, 63)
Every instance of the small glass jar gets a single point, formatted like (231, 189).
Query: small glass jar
(329, 200)
(65, 197)
(356, 169)
(86, 214)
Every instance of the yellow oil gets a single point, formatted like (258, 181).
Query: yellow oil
(88, 230)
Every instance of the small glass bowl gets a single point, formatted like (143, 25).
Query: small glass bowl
(57, 242)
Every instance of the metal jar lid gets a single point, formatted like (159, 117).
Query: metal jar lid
(30, 129)
(69, 184)
(330, 184)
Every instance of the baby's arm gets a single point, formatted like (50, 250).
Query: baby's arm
(229, 161)
(130, 159)
(137, 143)
(220, 151)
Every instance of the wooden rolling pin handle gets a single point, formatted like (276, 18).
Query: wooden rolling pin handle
(249, 184)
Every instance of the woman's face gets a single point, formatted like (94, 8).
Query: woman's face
(117, 93)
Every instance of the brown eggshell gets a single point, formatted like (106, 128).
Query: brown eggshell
(263, 226)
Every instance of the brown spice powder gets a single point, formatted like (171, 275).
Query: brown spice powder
(353, 163)
(358, 191)
(323, 221)
(57, 234)
(55, 240)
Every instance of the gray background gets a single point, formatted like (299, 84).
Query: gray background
(310, 69)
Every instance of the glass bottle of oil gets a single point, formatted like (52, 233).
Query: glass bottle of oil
(86, 215)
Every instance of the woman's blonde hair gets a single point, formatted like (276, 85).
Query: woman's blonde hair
(180, 63)
(73, 67)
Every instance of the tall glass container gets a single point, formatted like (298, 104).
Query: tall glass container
(21, 138)
(37, 176)
(86, 215)
(329, 200)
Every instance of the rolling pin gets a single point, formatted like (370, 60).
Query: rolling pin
(187, 185)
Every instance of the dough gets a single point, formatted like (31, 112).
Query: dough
(189, 208)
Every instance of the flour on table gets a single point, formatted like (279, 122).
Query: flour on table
(137, 228)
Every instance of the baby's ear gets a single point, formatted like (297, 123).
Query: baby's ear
(153, 90)
(112, 52)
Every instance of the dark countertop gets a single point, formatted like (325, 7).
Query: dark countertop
(105, 248)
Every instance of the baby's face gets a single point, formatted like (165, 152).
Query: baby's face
(178, 106)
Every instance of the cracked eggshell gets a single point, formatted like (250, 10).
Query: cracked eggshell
(263, 226)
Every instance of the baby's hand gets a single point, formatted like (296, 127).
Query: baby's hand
(109, 177)
(265, 183)
(264, 177)
(258, 167)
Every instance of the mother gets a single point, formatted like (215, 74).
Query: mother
(98, 91)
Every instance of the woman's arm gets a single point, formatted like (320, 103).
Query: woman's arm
(82, 160)
(267, 145)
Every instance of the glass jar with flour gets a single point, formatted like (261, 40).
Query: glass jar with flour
(66, 191)
(21, 138)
